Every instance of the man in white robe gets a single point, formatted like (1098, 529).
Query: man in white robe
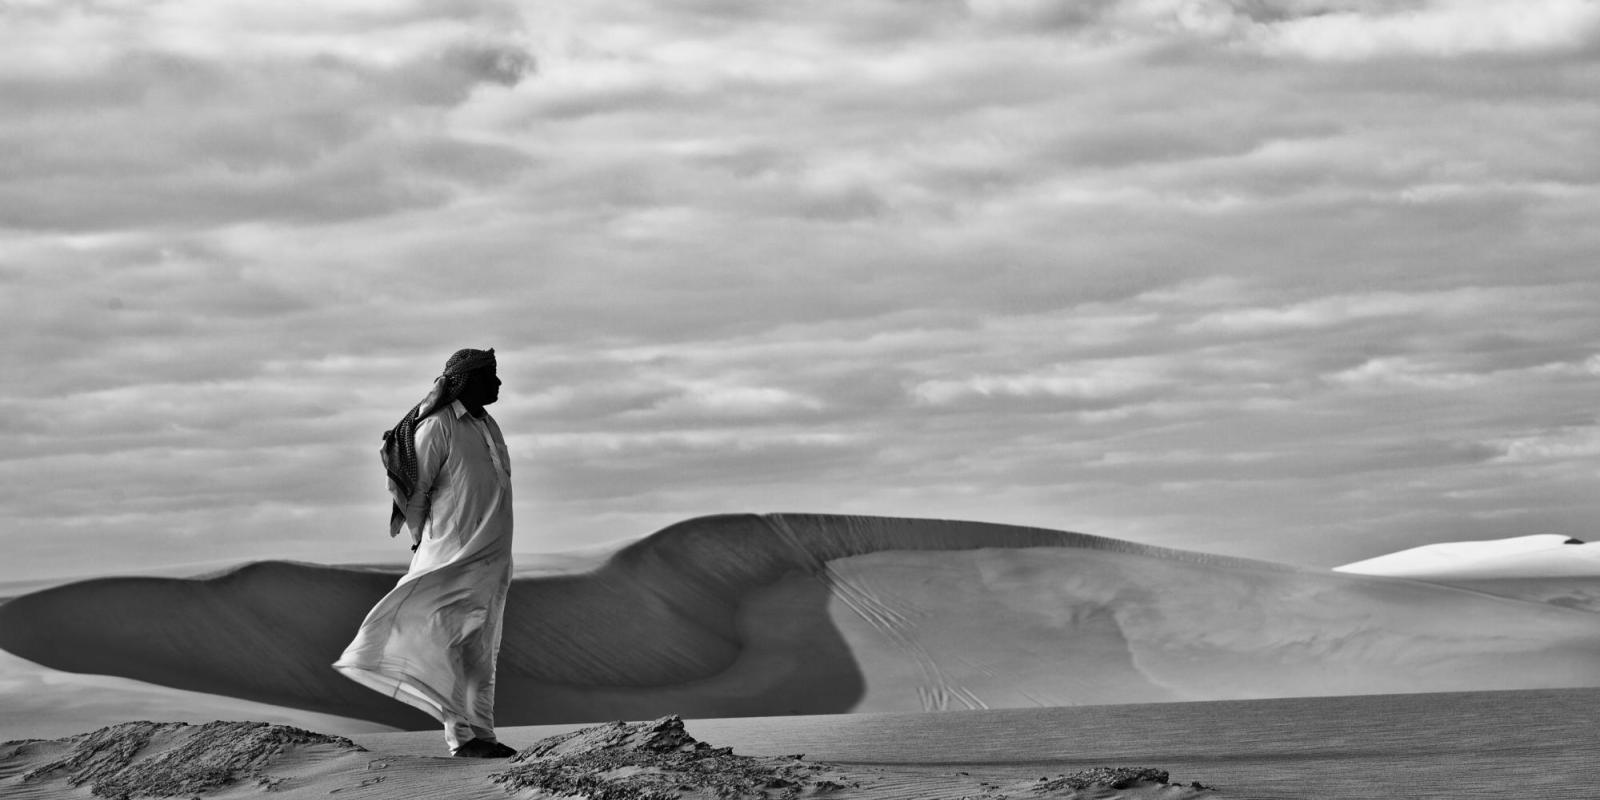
(433, 641)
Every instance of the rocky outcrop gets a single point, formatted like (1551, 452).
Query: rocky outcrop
(1108, 777)
(166, 759)
(655, 760)
(659, 760)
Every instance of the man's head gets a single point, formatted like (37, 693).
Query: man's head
(472, 379)
(481, 389)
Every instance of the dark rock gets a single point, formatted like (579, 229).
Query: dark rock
(659, 760)
(1109, 777)
(665, 735)
(167, 759)
(655, 760)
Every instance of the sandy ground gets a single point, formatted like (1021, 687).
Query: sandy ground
(760, 615)
(236, 760)
(1451, 746)
(836, 637)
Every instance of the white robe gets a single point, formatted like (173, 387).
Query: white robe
(432, 642)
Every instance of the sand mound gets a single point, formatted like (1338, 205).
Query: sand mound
(659, 760)
(1545, 555)
(655, 760)
(165, 759)
(1578, 593)
(762, 615)
(262, 632)
(1543, 568)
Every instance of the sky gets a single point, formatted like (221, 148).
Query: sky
(1306, 281)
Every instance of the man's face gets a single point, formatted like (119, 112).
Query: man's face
(482, 388)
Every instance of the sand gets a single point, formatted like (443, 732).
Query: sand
(1441, 746)
(1543, 568)
(906, 658)
(652, 760)
(761, 615)
(1537, 556)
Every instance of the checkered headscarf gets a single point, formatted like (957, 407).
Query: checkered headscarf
(399, 451)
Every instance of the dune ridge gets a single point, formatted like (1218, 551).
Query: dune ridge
(1537, 556)
(1544, 568)
(759, 615)
(1578, 592)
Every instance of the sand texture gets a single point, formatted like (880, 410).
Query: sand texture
(1537, 556)
(655, 760)
(760, 615)
(659, 759)
(1577, 592)
(171, 759)
(1445, 746)
(1543, 568)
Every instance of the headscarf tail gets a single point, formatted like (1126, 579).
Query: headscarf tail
(399, 450)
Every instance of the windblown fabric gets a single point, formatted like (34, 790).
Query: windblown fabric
(432, 642)
(399, 451)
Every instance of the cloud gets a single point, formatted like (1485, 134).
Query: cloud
(1086, 382)
(1403, 372)
(182, 115)
(1563, 444)
(1446, 28)
(1303, 280)
(1326, 312)
(1036, 14)
(1329, 30)
(723, 401)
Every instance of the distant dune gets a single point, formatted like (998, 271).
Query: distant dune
(759, 615)
(1544, 568)
(1537, 556)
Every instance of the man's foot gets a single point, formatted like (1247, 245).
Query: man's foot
(478, 748)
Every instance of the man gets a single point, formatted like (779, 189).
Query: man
(432, 641)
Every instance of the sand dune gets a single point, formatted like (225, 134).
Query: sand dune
(39, 702)
(1544, 568)
(1576, 592)
(1539, 556)
(750, 615)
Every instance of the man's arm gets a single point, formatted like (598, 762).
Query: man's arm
(432, 439)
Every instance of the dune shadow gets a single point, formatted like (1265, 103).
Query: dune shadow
(767, 615)
(712, 617)
(263, 632)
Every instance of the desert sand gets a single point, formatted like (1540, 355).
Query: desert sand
(1039, 653)
(1543, 568)
(1422, 747)
(650, 760)
(760, 615)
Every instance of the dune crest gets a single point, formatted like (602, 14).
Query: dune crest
(759, 615)
(1544, 555)
(1543, 568)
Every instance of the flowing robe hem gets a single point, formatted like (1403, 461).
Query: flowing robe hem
(398, 686)
(432, 641)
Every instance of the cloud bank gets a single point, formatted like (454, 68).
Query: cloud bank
(1307, 281)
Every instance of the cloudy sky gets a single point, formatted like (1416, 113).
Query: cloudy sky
(1307, 281)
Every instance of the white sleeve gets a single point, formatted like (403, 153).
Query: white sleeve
(432, 439)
